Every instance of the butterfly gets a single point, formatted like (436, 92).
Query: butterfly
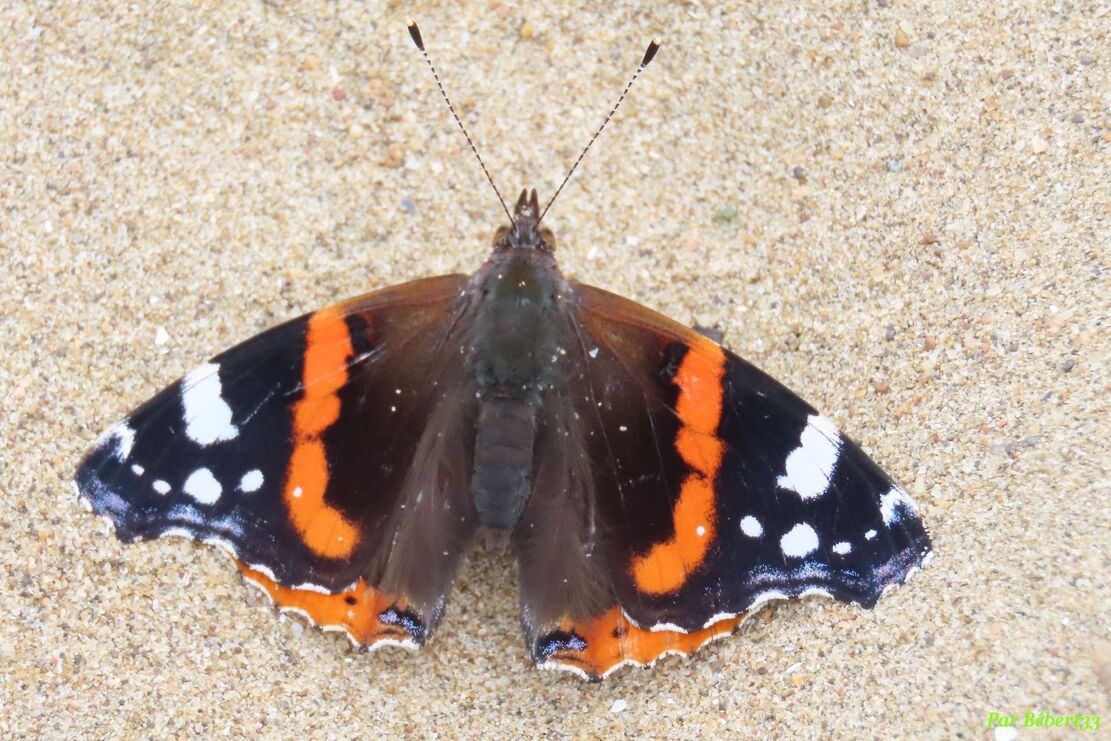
(655, 489)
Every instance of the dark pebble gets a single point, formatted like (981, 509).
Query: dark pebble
(713, 333)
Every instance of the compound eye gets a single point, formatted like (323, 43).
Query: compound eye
(547, 239)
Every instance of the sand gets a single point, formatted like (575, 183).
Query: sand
(901, 212)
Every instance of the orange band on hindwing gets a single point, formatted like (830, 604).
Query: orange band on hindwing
(357, 611)
(328, 350)
(699, 378)
(609, 640)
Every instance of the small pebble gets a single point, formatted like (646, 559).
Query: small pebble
(725, 215)
(408, 205)
(889, 333)
(1068, 365)
(619, 706)
(339, 94)
(902, 40)
(714, 333)
(893, 165)
(919, 50)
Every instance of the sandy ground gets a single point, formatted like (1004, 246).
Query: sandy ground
(901, 212)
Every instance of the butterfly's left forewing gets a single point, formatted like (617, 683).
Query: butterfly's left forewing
(295, 453)
(703, 488)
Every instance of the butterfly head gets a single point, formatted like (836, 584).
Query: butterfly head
(525, 232)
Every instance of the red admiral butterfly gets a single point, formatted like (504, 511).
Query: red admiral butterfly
(656, 489)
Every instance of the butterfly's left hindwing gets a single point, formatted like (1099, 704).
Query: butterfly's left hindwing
(711, 489)
(293, 452)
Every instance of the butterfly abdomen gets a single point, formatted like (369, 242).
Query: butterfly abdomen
(502, 477)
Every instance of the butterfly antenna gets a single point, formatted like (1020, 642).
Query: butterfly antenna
(414, 33)
(649, 54)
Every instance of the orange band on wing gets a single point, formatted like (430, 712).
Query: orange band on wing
(611, 639)
(328, 350)
(356, 611)
(699, 378)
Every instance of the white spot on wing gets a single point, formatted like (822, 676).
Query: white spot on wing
(203, 486)
(124, 438)
(843, 548)
(161, 486)
(810, 465)
(251, 481)
(207, 415)
(889, 503)
(799, 541)
(815, 592)
(264, 570)
(178, 532)
(666, 627)
(870, 534)
(310, 587)
(751, 527)
(137, 469)
(717, 618)
(768, 596)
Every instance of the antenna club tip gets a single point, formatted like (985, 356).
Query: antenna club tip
(414, 33)
(650, 53)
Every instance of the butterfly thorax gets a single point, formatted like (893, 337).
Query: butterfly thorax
(514, 360)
